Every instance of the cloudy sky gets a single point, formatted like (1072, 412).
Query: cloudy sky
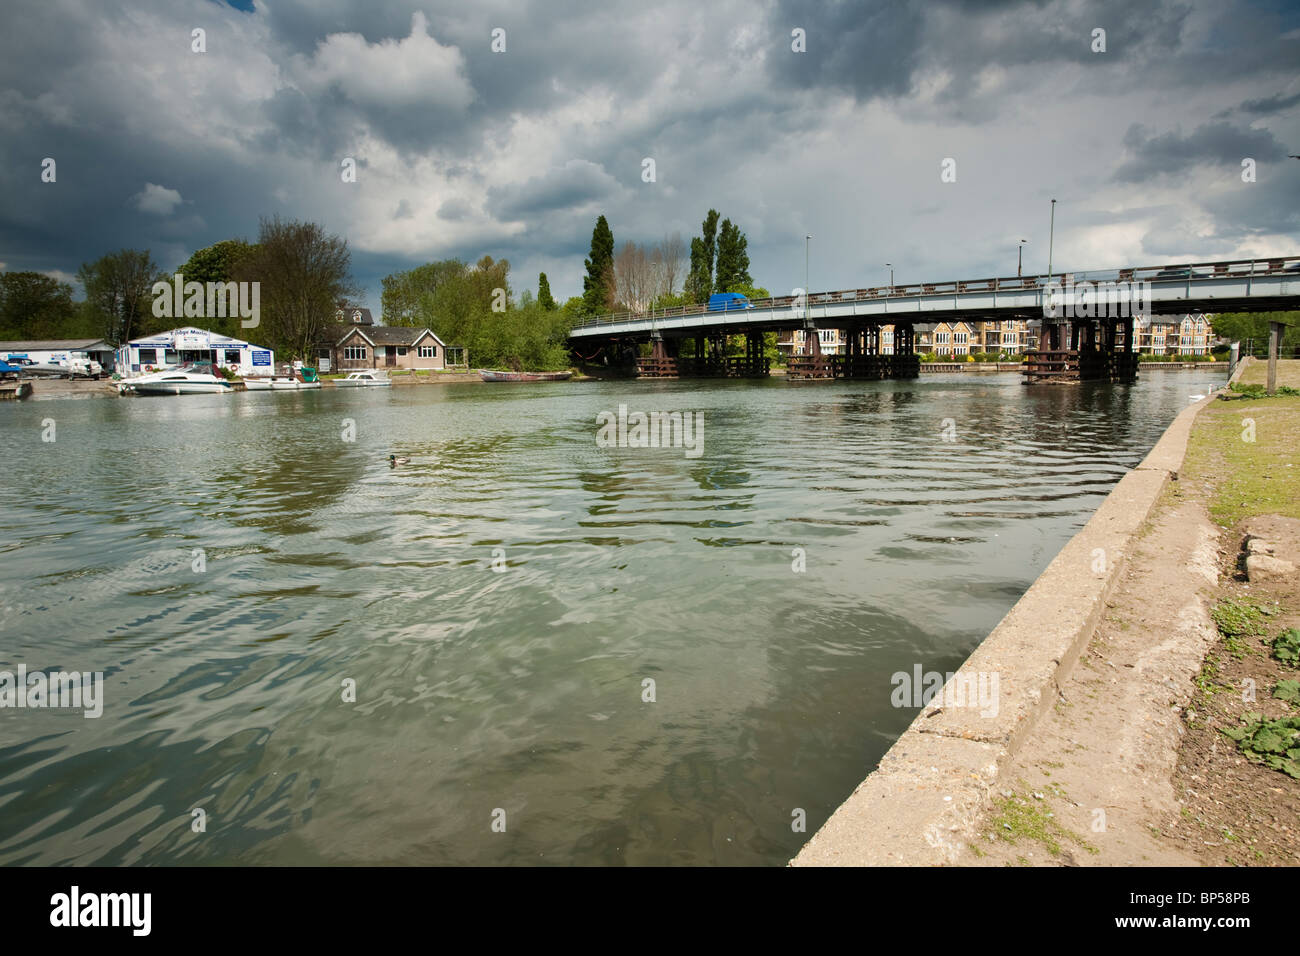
(463, 151)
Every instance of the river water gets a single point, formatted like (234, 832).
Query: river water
(677, 656)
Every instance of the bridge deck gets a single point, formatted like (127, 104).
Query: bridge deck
(1242, 285)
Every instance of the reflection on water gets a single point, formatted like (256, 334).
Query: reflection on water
(229, 562)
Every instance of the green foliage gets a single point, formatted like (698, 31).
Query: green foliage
(219, 262)
(1255, 390)
(403, 291)
(598, 283)
(1236, 618)
(1288, 690)
(699, 280)
(1240, 326)
(544, 297)
(304, 273)
(731, 273)
(1286, 647)
(456, 302)
(118, 293)
(1017, 817)
(1274, 743)
(35, 306)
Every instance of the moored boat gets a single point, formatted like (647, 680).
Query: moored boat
(291, 382)
(181, 380)
(363, 379)
(492, 375)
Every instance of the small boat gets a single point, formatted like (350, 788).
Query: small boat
(181, 380)
(289, 382)
(490, 375)
(367, 379)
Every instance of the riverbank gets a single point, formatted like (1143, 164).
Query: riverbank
(1082, 764)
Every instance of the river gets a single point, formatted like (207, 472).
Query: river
(559, 652)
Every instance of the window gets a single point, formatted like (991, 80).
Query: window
(961, 338)
(941, 338)
(232, 356)
(428, 351)
(148, 356)
(401, 350)
(887, 335)
(354, 353)
(170, 357)
(1009, 338)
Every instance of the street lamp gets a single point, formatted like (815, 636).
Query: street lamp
(1020, 255)
(1051, 237)
(806, 303)
(891, 277)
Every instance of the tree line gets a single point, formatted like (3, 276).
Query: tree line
(638, 277)
(303, 272)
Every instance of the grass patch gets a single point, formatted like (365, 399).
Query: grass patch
(1256, 373)
(1017, 817)
(1252, 477)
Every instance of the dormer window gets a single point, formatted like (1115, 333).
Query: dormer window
(356, 316)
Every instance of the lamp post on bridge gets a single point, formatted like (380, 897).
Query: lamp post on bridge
(891, 277)
(807, 305)
(1020, 256)
(1051, 238)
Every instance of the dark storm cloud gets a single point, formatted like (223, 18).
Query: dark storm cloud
(577, 183)
(869, 50)
(1170, 153)
(1270, 104)
(515, 154)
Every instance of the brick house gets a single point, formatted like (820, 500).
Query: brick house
(354, 342)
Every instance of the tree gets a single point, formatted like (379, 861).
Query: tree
(699, 281)
(404, 291)
(303, 274)
(35, 306)
(218, 263)
(709, 238)
(598, 284)
(119, 292)
(635, 280)
(732, 271)
(672, 254)
(544, 293)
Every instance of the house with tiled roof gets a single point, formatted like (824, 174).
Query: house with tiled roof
(353, 342)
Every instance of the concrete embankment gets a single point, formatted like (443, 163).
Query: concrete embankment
(924, 802)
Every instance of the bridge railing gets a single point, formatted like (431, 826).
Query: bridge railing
(1183, 273)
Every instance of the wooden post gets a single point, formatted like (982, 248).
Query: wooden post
(1274, 340)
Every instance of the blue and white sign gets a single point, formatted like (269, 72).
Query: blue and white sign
(261, 358)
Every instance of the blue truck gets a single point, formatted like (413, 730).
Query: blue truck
(727, 301)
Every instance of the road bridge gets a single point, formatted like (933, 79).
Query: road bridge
(1084, 321)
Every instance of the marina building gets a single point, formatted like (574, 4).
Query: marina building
(153, 353)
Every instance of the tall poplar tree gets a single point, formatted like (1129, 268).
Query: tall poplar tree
(598, 283)
(544, 298)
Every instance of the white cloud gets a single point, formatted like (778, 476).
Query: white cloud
(417, 70)
(157, 200)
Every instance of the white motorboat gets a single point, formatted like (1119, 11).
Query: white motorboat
(291, 381)
(181, 380)
(277, 384)
(366, 378)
